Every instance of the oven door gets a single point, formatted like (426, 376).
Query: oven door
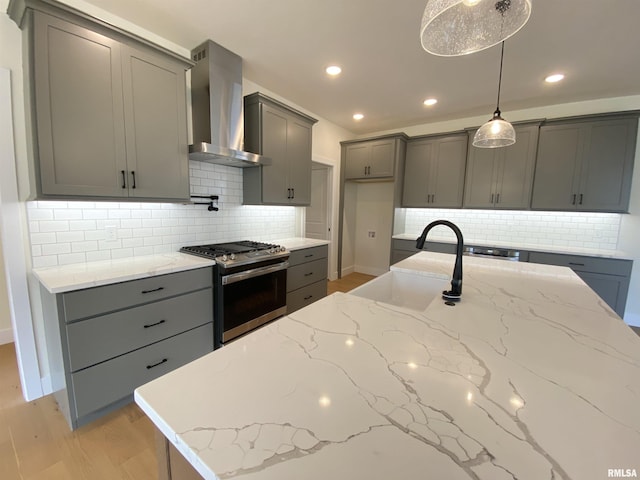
(251, 298)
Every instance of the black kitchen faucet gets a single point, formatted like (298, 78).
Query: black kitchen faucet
(456, 282)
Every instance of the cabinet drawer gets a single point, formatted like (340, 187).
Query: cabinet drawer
(108, 382)
(109, 298)
(306, 295)
(107, 336)
(306, 274)
(307, 255)
(579, 263)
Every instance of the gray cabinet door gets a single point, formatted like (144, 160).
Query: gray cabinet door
(586, 165)
(514, 173)
(370, 159)
(479, 191)
(434, 172)
(156, 126)
(275, 181)
(605, 181)
(299, 155)
(78, 110)
(610, 288)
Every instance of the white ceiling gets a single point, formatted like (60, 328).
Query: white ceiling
(286, 44)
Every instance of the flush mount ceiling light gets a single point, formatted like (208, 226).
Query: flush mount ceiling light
(430, 101)
(460, 27)
(556, 77)
(358, 116)
(333, 70)
(497, 132)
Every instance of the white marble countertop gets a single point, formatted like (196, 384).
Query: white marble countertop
(92, 274)
(589, 252)
(530, 376)
(299, 243)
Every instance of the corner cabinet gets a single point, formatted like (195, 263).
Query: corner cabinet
(103, 342)
(108, 112)
(284, 135)
(434, 171)
(585, 164)
(502, 177)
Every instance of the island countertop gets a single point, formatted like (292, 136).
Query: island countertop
(529, 376)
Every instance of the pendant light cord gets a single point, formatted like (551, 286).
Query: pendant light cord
(500, 78)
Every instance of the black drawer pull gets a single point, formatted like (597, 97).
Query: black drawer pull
(124, 179)
(164, 360)
(309, 256)
(576, 264)
(153, 290)
(308, 274)
(308, 297)
(154, 324)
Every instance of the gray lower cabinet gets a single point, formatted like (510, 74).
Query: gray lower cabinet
(108, 113)
(306, 277)
(434, 171)
(401, 248)
(105, 341)
(608, 277)
(284, 135)
(585, 164)
(502, 177)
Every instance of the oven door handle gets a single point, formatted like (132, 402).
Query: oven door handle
(255, 272)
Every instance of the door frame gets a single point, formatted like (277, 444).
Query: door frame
(332, 211)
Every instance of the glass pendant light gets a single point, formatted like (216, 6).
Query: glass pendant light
(497, 132)
(460, 27)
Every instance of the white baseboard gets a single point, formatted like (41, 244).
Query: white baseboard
(6, 336)
(47, 387)
(347, 271)
(370, 270)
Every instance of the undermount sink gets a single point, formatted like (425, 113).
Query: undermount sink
(406, 290)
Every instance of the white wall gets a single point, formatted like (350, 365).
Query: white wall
(6, 334)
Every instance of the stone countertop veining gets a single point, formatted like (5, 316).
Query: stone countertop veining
(530, 376)
(589, 252)
(77, 276)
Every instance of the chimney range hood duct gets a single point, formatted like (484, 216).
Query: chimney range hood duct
(217, 108)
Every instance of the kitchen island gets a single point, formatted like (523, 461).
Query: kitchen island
(529, 376)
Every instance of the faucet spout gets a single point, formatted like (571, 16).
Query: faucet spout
(456, 282)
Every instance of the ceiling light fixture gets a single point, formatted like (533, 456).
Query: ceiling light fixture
(333, 70)
(358, 116)
(497, 132)
(460, 27)
(554, 78)
(430, 101)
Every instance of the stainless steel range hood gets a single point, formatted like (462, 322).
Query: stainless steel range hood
(217, 108)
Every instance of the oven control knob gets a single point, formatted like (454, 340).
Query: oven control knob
(232, 256)
(271, 250)
(224, 258)
(282, 249)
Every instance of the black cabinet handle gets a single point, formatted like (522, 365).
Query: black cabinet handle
(164, 360)
(293, 193)
(308, 297)
(497, 198)
(573, 199)
(492, 198)
(580, 201)
(133, 174)
(308, 274)
(124, 179)
(153, 290)
(309, 256)
(289, 194)
(154, 324)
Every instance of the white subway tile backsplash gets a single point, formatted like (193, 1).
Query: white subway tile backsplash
(565, 229)
(148, 228)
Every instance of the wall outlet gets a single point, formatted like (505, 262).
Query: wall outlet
(111, 233)
(372, 234)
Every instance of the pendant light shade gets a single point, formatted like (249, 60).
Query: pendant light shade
(497, 132)
(460, 27)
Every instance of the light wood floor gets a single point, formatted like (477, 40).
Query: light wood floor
(36, 443)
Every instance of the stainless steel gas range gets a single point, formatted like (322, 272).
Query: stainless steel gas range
(250, 285)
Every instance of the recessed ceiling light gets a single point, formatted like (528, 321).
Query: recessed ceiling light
(358, 116)
(554, 78)
(333, 70)
(470, 3)
(430, 101)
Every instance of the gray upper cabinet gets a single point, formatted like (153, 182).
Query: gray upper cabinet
(434, 171)
(585, 164)
(108, 115)
(370, 159)
(502, 177)
(284, 135)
